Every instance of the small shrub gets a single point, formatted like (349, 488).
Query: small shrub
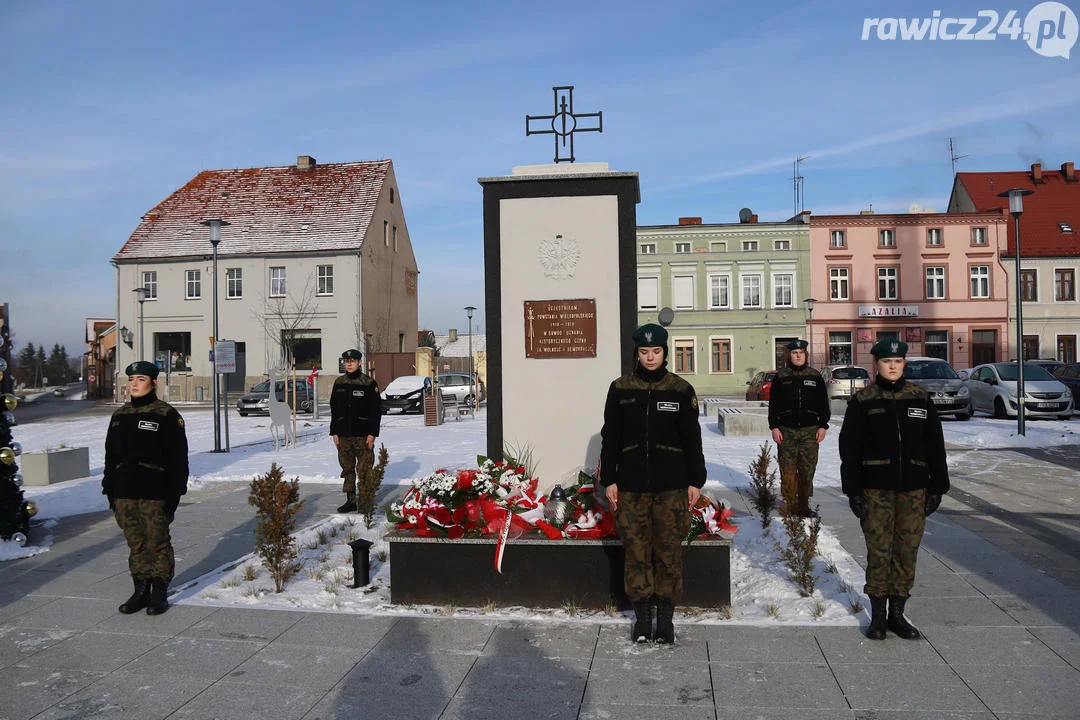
(487, 608)
(277, 504)
(830, 567)
(448, 610)
(801, 546)
(316, 572)
(773, 609)
(251, 573)
(611, 609)
(230, 582)
(330, 586)
(250, 591)
(726, 613)
(763, 485)
(819, 610)
(367, 487)
(352, 534)
(570, 608)
(382, 555)
(855, 605)
(321, 537)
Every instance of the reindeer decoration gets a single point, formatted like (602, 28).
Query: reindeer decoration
(280, 412)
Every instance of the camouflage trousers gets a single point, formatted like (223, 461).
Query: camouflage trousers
(146, 529)
(893, 526)
(357, 462)
(797, 457)
(652, 527)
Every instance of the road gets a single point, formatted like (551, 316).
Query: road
(49, 406)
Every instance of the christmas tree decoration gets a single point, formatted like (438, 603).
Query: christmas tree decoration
(15, 512)
(10, 402)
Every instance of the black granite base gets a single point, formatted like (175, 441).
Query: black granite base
(538, 572)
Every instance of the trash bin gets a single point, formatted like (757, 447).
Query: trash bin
(199, 394)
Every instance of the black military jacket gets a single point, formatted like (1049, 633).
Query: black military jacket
(146, 452)
(798, 399)
(355, 406)
(892, 440)
(651, 440)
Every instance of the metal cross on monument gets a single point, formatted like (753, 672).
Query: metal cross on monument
(563, 123)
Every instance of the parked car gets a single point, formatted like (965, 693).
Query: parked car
(759, 386)
(993, 391)
(257, 400)
(1069, 376)
(1050, 366)
(458, 385)
(843, 381)
(59, 392)
(949, 393)
(406, 394)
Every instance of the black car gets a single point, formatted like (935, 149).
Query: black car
(257, 400)
(1069, 376)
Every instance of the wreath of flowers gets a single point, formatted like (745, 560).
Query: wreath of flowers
(478, 502)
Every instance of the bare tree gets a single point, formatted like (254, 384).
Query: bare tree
(284, 319)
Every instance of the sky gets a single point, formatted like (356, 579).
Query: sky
(109, 107)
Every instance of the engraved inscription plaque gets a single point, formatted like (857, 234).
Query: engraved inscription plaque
(560, 328)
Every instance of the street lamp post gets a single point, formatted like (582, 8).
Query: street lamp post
(810, 331)
(1016, 209)
(215, 238)
(472, 375)
(140, 295)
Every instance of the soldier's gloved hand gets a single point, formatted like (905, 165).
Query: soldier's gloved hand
(932, 502)
(857, 505)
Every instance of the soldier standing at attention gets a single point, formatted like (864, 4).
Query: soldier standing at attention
(355, 415)
(798, 416)
(146, 472)
(652, 468)
(893, 470)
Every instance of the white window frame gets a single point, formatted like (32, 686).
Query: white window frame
(642, 305)
(887, 238)
(829, 344)
(842, 281)
(719, 276)
(234, 277)
(192, 281)
(693, 353)
(647, 248)
(837, 235)
(979, 278)
(284, 289)
(324, 280)
(781, 245)
(776, 287)
(978, 236)
(683, 247)
(731, 352)
(890, 274)
(743, 277)
(676, 277)
(935, 279)
(927, 343)
(150, 284)
(750, 245)
(935, 237)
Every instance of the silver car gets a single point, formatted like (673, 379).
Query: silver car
(993, 391)
(949, 393)
(843, 381)
(459, 386)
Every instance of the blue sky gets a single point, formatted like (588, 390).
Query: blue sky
(108, 107)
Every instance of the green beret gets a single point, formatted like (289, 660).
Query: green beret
(889, 349)
(351, 355)
(650, 335)
(796, 345)
(142, 367)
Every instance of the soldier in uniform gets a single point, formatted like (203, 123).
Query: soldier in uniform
(355, 415)
(798, 416)
(146, 472)
(652, 468)
(893, 470)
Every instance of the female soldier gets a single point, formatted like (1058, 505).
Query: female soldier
(893, 470)
(146, 472)
(652, 467)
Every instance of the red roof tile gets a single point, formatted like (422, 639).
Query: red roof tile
(270, 210)
(1055, 201)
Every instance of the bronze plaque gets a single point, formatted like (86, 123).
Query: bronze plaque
(560, 328)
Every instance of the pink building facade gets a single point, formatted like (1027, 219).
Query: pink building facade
(933, 280)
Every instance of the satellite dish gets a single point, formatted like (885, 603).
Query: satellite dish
(915, 208)
(745, 215)
(667, 315)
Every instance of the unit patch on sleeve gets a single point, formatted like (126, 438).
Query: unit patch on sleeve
(148, 425)
(917, 413)
(667, 406)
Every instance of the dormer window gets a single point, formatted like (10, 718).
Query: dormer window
(1065, 227)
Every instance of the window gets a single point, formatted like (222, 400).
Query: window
(648, 288)
(277, 282)
(391, 196)
(684, 356)
(325, 279)
(933, 236)
(980, 281)
(935, 282)
(1029, 290)
(751, 291)
(721, 356)
(1031, 347)
(840, 348)
(936, 344)
(234, 283)
(306, 347)
(149, 282)
(1064, 285)
(386, 233)
(749, 246)
(839, 283)
(718, 247)
(1066, 348)
(837, 239)
(978, 236)
(781, 245)
(393, 232)
(783, 286)
(887, 238)
(193, 284)
(172, 350)
(682, 247)
(648, 248)
(719, 291)
(887, 283)
(682, 292)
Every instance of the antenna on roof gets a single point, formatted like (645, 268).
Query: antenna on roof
(953, 156)
(797, 183)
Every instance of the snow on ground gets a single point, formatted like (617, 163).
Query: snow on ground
(762, 592)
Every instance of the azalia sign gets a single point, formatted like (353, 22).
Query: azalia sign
(888, 311)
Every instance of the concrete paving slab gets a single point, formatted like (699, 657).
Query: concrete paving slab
(175, 621)
(196, 658)
(501, 708)
(103, 652)
(71, 583)
(543, 640)
(315, 668)
(909, 715)
(736, 644)
(850, 645)
(1065, 642)
(126, 697)
(962, 611)
(783, 714)
(905, 687)
(27, 691)
(70, 613)
(13, 606)
(690, 645)
(1050, 690)
(992, 646)
(17, 643)
(414, 635)
(498, 687)
(340, 705)
(226, 700)
(639, 681)
(405, 677)
(232, 624)
(651, 712)
(1045, 610)
(337, 630)
(792, 686)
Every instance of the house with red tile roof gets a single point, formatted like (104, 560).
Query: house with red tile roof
(1049, 252)
(315, 259)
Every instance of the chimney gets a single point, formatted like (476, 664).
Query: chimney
(1036, 173)
(304, 162)
(1068, 171)
(453, 334)
(753, 218)
(689, 221)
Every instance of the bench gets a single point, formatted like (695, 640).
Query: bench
(451, 406)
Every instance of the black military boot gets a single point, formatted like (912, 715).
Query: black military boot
(665, 627)
(642, 632)
(878, 611)
(158, 601)
(896, 620)
(138, 599)
(349, 506)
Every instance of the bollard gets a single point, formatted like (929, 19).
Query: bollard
(361, 562)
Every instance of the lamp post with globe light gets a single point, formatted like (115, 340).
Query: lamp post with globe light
(1016, 209)
(215, 226)
(469, 310)
(810, 331)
